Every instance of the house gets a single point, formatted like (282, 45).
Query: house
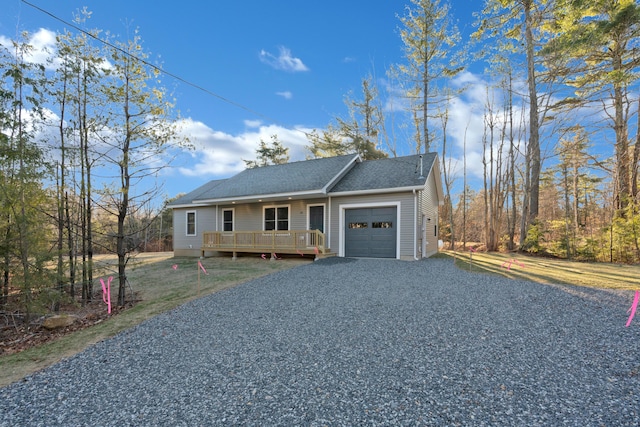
(340, 206)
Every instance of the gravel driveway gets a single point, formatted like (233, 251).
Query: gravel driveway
(356, 342)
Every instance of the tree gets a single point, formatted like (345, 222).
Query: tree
(448, 179)
(429, 38)
(362, 129)
(141, 132)
(513, 24)
(359, 133)
(601, 39)
(573, 158)
(276, 154)
(22, 166)
(327, 144)
(78, 96)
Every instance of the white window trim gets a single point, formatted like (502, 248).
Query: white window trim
(233, 218)
(264, 216)
(195, 223)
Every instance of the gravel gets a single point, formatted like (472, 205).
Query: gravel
(342, 342)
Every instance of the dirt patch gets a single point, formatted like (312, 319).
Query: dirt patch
(16, 336)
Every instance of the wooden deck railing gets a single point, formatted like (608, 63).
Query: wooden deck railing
(273, 241)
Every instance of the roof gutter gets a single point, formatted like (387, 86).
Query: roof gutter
(256, 198)
(188, 205)
(412, 188)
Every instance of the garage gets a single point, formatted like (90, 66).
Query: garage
(371, 232)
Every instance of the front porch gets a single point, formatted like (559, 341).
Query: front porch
(302, 242)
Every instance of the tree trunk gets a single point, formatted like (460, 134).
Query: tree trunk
(534, 161)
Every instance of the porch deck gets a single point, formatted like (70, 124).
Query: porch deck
(302, 242)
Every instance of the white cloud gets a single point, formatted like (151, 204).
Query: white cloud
(284, 61)
(43, 49)
(286, 94)
(252, 123)
(465, 128)
(219, 154)
(43, 45)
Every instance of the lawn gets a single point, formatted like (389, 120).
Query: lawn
(160, 283)
(550, 270)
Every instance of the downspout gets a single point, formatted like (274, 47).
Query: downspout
(328, 219)
(415, 225)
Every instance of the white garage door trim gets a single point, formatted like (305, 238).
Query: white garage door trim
(344, 207)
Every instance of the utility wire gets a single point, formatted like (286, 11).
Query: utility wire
(155, 67)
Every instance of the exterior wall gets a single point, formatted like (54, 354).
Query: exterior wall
(190, 245)
(417, 236)
(406, 211)
(249, 217)
(428, 221)
(246, 217)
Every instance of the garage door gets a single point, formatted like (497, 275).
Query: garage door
(370, 232)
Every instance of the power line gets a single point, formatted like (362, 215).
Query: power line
(157, 68)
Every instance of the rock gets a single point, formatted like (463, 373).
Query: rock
(59, 321)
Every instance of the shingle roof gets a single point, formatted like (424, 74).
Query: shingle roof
(195, 194)
(397, 172)
(310, 176)
(317, 176)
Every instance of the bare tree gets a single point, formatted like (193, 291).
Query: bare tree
(141, 132)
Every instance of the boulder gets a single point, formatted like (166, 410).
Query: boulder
(59, 321)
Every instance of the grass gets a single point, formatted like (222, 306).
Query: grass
(158, 286)
(549, 270)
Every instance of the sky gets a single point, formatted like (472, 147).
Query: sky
(268, 67)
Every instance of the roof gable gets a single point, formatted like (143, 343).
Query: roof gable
(391, 173)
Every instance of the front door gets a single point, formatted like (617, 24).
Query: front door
(316, 218)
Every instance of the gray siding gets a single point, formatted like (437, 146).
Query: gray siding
(249, 217)
(205, 221)
(429, 209)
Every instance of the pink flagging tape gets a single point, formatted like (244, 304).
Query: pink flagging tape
(299, 252)
(510, 262)
(633, 307)
(106, 292)
(202, 268)
(316, 250)
(174, 266)
(263, 256)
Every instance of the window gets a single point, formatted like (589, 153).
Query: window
(358, 225)
(382, 224)
(227, 220)
(191, 223)
(276, 218)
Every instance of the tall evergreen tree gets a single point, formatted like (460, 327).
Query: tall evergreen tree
(276, 154)
(600, 40)
(429, 38)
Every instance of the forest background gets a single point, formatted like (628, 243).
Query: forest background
(560, 143)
